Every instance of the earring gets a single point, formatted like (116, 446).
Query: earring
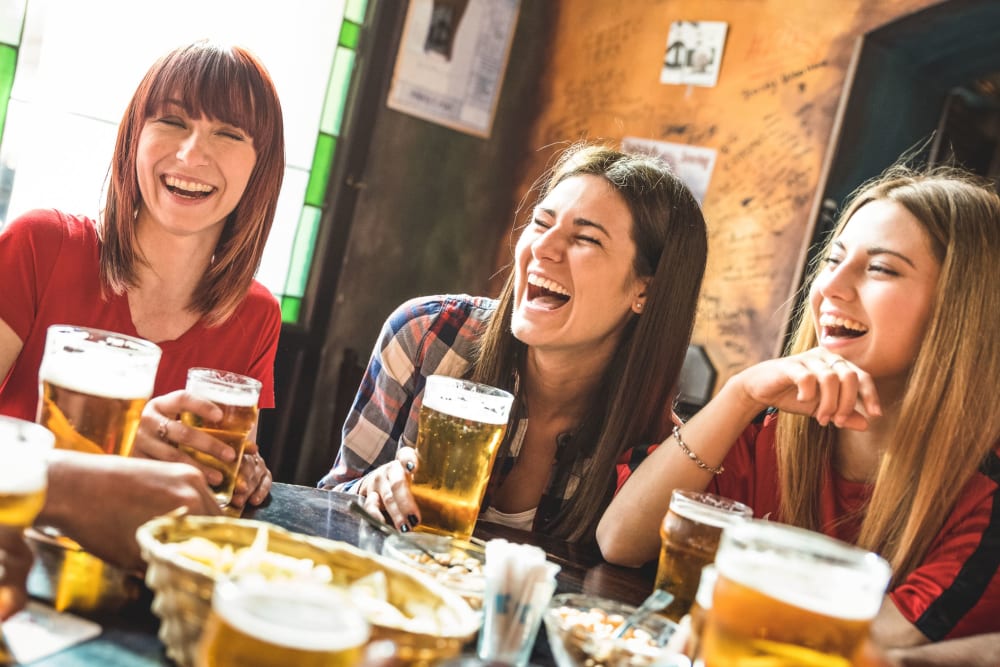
(638, 305)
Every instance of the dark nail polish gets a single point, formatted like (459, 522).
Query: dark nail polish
(409, 466)
(403, 528)
(413, 520)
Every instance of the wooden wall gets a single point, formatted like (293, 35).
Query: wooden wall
(770, 117)
(437, 207)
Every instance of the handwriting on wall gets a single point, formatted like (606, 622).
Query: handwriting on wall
(769, 118)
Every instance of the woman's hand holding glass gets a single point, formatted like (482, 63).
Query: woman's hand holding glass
(386, 490)
(816, 383)
(162, 435)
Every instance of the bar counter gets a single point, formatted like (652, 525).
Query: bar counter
(129, 636)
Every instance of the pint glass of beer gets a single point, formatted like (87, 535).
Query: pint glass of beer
(237, 396)
(94, 385)
(461, 426)
(24, 473)
(260, 623)
(792, 596)
(690, 535)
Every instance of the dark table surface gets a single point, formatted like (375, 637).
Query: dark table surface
(129, 637)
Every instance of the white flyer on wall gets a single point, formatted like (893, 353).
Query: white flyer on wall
(692, 164)
(451, 61)
(694, 52)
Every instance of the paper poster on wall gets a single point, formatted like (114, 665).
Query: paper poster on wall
(692, 164)
(451, 61)
(694, 52)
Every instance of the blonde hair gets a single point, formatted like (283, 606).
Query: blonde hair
(948, 422)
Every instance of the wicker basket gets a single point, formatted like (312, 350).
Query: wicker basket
(183, 588)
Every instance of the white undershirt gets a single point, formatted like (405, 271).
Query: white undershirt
(520, 520)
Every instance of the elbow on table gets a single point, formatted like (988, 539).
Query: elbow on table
(618, 547)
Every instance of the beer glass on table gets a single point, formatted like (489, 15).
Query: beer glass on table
(461, 426)
(788, 596)
(23, 480)
(259, 623)
(94, 385)
(237, 396)
(690, 535)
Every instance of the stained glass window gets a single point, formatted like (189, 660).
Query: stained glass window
(67, 70)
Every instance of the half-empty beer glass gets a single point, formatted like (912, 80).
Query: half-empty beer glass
(237, 396)
(24, 447)
(690, 535)
(461, 426)
(94, 385)
(792, 596)
(259, 623)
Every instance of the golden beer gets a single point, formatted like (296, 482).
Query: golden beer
(258, 623)
(786, 596)
(690, 535)
(24, 471)
(237, 396)
(94, 385)
(461, 426)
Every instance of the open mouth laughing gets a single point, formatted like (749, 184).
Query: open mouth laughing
(187, 189)
(545, 293)
(840, 327)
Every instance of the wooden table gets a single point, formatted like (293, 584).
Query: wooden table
(129, 637)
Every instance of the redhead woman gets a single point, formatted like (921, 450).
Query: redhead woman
(882, 429)
(599, 306)
(192, 194)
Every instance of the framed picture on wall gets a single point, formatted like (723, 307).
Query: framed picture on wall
(694, 52)
(451, 61)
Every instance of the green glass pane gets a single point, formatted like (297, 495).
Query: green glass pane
(290, 308)
(8, 62)
(355, 10)
(319, 175)
(349, 33)
(336, 91)
(302, 251)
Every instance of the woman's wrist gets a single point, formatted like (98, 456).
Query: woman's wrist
(738, 399)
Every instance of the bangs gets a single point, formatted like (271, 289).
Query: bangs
(219, 83)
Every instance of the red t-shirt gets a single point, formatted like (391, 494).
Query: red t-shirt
(49, 274)
(955, 592)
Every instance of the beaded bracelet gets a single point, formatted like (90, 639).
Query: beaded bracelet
(715, 470)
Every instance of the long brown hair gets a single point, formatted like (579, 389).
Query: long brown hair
(948, 423)
(632, 404)
(219, 82)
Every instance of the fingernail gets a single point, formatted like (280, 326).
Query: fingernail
(409, 466)
(403, 528)
(413, 520)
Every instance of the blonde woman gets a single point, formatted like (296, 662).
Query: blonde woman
(886, 430)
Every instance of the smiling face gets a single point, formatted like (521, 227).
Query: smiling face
(192, 172)
(575, 285)
(872, 301)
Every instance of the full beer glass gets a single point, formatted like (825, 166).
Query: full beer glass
(237, 396)
(690, 535)
(24, 472)
(788, 596)
(94, 385)
(461, 425)
(260, 623)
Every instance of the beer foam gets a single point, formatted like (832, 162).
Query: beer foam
(293, 615)
(23, 471)
(239, 397)
(447, 396)
(716, 517)
(98, 375)
(820, 587)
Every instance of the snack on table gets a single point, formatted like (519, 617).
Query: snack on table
(457, 564)
(580, 629)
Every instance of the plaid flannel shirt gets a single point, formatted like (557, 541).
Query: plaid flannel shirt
(425, 336)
